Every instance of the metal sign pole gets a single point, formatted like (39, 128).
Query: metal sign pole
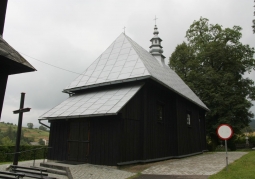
(225, 132)
(226, 147)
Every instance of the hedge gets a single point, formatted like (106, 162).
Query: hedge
(29, 155)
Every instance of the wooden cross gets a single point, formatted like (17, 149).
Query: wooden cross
(20, 111)
(155, 20)
(124, 29)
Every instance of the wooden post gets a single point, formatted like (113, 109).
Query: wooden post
(20, 112)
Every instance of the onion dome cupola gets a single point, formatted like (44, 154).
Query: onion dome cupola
(156, 48)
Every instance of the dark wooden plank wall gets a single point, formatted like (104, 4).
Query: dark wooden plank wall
(136, 134)
(203, 129)
(58, 140)
(104, 140)
(3, 6)
(160, 136)
(3, 82)
(189, 136)
(131, 145)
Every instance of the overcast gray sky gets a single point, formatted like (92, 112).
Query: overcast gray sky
(72, 34)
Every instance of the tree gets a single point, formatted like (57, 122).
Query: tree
(30, 125)
(213, 63)
(41, 142)
(7, 141)
(42, 128)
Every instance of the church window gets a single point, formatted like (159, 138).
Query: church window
(160, 111)
(188, 118)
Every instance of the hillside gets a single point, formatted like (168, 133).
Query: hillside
(31, 133)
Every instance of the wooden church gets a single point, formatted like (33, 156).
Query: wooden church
(127, 107)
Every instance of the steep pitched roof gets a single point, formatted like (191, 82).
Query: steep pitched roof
(126, 61)
(15, 61)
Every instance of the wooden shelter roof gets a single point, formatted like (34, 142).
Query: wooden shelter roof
(11, 58)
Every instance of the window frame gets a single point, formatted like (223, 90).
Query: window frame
(162, 105)
(188, 113)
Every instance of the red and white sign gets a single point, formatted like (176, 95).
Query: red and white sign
(225, 131)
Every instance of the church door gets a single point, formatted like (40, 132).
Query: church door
(78, 142)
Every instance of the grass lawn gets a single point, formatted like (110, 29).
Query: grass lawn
(2, 163)
(243, 168)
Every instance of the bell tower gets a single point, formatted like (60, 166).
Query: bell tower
(156, 48)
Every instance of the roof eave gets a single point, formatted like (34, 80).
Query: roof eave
(204, 107)
(105, 84)
(76, 117)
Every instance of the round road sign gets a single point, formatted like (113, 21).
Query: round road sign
(225, 131)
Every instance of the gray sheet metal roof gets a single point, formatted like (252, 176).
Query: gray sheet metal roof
(119, 62)
(10, 53)
(125, 61)
(96, 103)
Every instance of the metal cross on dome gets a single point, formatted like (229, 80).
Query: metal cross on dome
(155, 19)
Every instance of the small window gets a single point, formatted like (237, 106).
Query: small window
(160, 112)
(188, 119)
(156, 41)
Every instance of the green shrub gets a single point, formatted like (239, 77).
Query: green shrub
(241, 139)
(29, 155)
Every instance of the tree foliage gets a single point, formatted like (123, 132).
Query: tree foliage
(213, 63)
(41, 142)
(42, 128)
(30, 125)
(8, 137)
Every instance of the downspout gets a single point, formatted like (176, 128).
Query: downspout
(43, 123)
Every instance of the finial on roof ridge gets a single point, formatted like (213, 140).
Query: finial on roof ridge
(155, 30)
(156, 48)
(155, 20)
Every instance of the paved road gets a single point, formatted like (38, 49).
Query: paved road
(205, 164)
(196, 167)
